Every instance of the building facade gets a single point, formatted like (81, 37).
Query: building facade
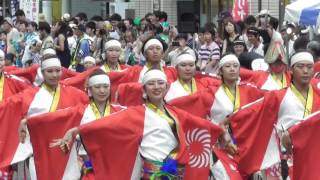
(205, 10)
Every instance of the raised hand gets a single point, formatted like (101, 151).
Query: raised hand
(64, 143)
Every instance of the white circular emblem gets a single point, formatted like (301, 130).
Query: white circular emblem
(199, 143)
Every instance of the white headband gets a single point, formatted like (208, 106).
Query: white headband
(89, 59)
(52, 62)
(152, 42)
(49, 51)
(185, 58)
(228, 59)
(153, 74)
(301, 56)
(98, 79)
(112, 43)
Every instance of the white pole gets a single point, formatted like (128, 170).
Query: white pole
(65, 4)
(47, 10)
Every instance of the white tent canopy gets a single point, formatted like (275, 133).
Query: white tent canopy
(304, 12)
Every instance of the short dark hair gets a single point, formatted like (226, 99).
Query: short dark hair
(34, 25)
(150, 27)
(64, 28)
(301, 43)
(274, 22)
(91, 25)
(210, 27)
(96, 18)
(82, 16)
(241, 25)
(182, 36)
(75, 21)
(164, 15)
(130, 20)
(9, 57)
(253, 31)
(148, 14)
(314, 46)
(19, 12)
(122, 27)
(44, 26)
(250, 19)
(23, 22)
(115, 17)
(161, 15)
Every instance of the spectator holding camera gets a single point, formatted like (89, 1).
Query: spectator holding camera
(181, 47)
(99, 42)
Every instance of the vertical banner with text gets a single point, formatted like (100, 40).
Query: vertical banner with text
(240, 10)
(30, 8)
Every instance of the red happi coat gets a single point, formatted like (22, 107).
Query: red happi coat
(124, 133)
(13, 85)
(130, 74)
(122, 67)
(15, 108)
(259, 78)
(316, 66)
(306, 148)
(130, 94)
(202, 102)
(79, 81)
(253, 127)
(52, 162)
(10, 68)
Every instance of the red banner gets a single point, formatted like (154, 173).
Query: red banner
(240, 10)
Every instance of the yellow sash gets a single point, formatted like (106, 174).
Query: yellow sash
(234, 99)
(108, 69)
(97, 113)
(56, 96)
(187, 87)
(1, 87)
(173, 123)
(307, 103)
(281, 82)
(161, 113)
(149, 66)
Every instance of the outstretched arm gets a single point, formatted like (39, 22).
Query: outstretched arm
(64, 143)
